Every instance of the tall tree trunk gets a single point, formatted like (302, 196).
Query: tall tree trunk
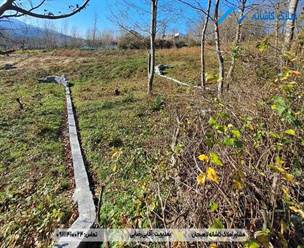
(218, 50)
(203, 41)
(278, 53)
(277, 27)
(236, 42)
(290, 24)
(151, 67)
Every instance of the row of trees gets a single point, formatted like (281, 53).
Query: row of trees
(242, 7)
(235, 29)
(49, 36)
(210, 18)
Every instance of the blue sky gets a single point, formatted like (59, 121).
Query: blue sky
(180, 16)
(83, 20)
(103, 9)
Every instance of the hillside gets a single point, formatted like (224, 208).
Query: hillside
(20, 30)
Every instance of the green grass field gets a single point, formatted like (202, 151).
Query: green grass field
(120, 135)
(35, 183)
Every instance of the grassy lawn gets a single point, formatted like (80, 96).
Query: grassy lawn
(35, 184)
(123, 137)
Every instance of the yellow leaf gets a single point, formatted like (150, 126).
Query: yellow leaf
(290, 132)
(252, 244)
(297, 210)
(238, 184)
(116, 153)
(262, 173)
(210, 77)
(203, 157)
(279, 169)
(288, 177)
(285, 190)
(215, 159)
(285, 193)
(213, 245)
(212, 175)
(279, 161)
(201, 179)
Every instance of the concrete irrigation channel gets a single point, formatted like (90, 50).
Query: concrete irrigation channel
(82, 194)
(160, 71)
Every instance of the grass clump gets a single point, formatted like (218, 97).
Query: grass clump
(158, 103)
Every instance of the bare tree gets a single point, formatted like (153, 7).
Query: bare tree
(277, 6)
(49, 35)
(236, 41)
(203, 42)
(17, 8)
(92, 33)
(153, 26)
(139, 29)
(197, 6)
(107, 38)
(65, 30)
(290, 24)
(218, 50)
(75, 41)
(94, 30)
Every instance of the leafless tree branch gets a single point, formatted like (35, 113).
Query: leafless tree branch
(11, 5)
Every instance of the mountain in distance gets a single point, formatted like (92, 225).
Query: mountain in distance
(19, 30)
